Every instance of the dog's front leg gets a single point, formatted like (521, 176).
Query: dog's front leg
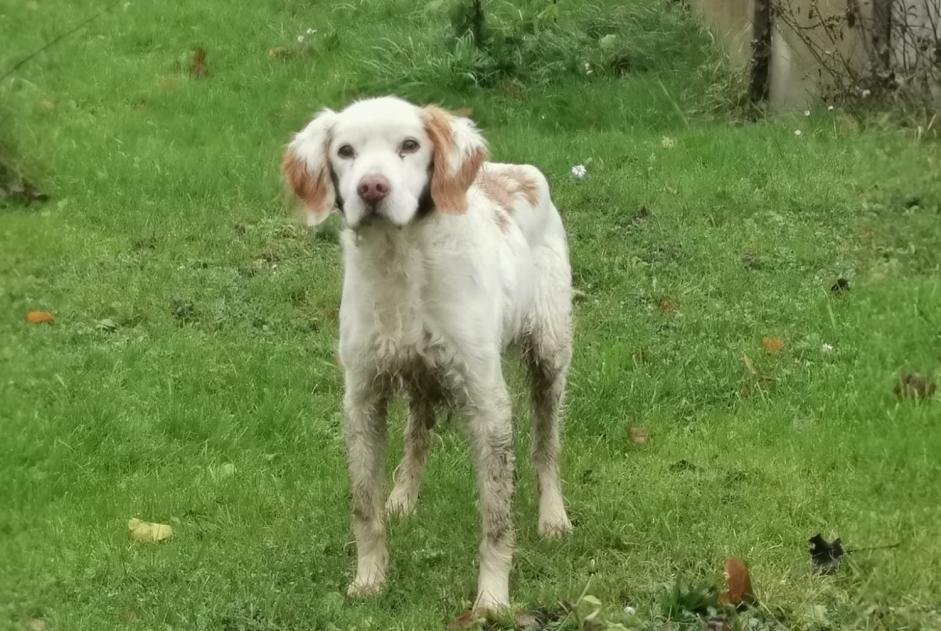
(365, 403)
(491, 434)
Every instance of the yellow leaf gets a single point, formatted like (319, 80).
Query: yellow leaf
(39, 317)
(772, 344)
(148, 532)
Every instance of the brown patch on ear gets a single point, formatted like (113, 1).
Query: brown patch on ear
(448, 189)
(309, 188)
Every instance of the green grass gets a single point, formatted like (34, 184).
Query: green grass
(167, 217)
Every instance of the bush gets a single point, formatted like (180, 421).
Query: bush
(532, 43)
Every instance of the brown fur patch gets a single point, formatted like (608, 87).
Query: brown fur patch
(505, 185)
(448, 189)
(309, 188)
(503, 220)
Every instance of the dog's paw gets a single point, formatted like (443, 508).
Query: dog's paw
(365, 588)
(487, 601)
(555, 527)
(401, 502)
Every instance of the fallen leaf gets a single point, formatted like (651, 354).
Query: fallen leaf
(738, 587)
(666, 305)
(282, 52)
(198, 64)
(39, 317)
(526, 620)
(914, 386)
(35, 624)
(637, 435)
(148, 532)
(466, 620)
(465, 112)
(772, 344)
(840, 286)
(825, 555)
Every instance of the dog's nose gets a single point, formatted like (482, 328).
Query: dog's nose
(372, 188)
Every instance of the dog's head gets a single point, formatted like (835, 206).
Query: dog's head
(383, 159)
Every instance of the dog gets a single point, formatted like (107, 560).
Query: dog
(447, 260)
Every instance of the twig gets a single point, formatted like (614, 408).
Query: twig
(885, 547)
(55, 40)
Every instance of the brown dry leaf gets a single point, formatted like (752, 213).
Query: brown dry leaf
(637, 435)
(525, 620)
(148, 532)
(36, 624)
(772, 344)
(666, 305)
(466, 620)
(39, 317)
(466, 112)
(738, 587)
(198, 64)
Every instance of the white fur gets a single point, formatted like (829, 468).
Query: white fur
(429, 304)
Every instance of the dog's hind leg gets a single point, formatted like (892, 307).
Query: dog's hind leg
(547, 349)
(418, 436)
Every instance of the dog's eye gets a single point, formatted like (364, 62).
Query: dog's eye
(409, 145)
(346, 151)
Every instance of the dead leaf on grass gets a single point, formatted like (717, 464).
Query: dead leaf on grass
(39, 317)
(465, 112)
(198, 68)
(36, 624)
(666, 305)
(738, 588)
(148, 532)
(637, 435)
(771, 343)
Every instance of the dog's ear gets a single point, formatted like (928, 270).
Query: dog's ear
(458, 151)
(306, 167)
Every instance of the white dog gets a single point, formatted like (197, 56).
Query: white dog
(447, 260)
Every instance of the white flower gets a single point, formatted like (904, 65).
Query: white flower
(798, 132)
(629, 610)
(827, 348)
(830, 108)
(300, 39)
(866, 93)
(806, 112)
(667, 143)
(579, 171)
(311, 31)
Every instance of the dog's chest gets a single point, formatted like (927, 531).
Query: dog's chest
(385, 315)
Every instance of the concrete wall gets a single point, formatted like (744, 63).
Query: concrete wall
(795, 75)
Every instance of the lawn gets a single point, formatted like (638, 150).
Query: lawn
(195, 328)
